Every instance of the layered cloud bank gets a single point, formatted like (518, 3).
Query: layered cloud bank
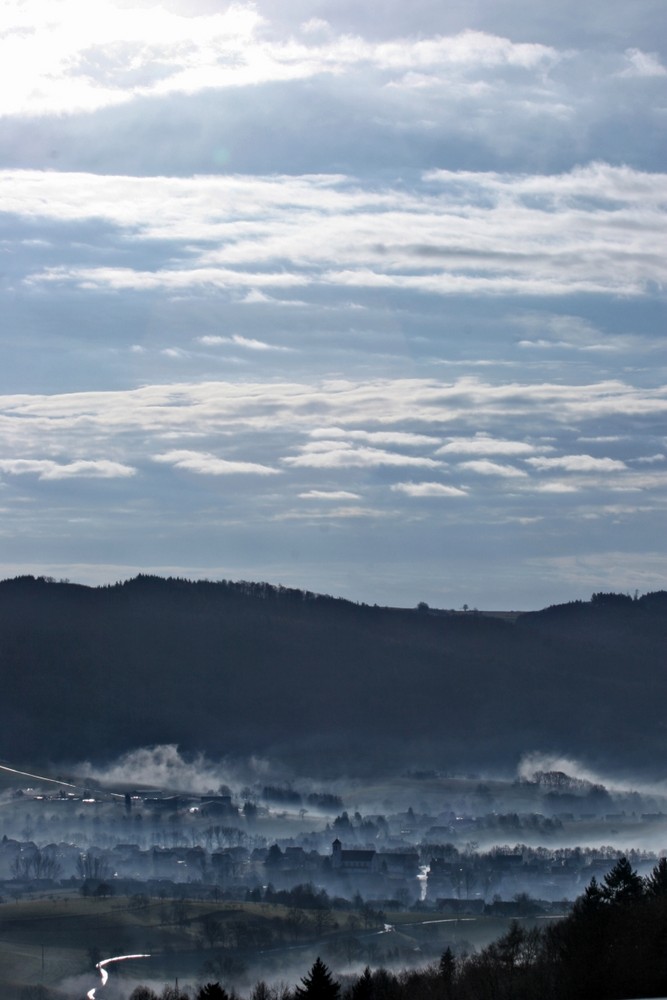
(594, 230)
(372, 308)
(220, 462)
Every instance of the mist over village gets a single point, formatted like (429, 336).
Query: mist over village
(333, 443)
(322, 830)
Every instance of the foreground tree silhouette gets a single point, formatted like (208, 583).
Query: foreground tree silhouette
(318, 984)
(213, 991)
(447, 972)
(363, 989)
(656, 882)
(622, 884)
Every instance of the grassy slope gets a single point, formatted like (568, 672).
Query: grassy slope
(72, 929)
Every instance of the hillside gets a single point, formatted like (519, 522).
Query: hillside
(321, 683)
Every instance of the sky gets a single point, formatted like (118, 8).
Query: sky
(363, 298)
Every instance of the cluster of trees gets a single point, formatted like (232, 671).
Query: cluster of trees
(612, 946)
(35, 864)
(210, 991)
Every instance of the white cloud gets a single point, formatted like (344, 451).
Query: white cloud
(386, 404)
(206, 181)
(81, 468)
(315, 26)
(486, 468)
(174, 352)
(577, 463)
(238, 341)
(595, 229)
(256, 297)
(484, 444)
(569, 333)
(337, 455)
(643, 64)
(329, 495)
(557, 487)
(429, 490)
(208, 424)
(209, 465)
(649, 459)
(65, 55)
(397, 438)
(331, 514)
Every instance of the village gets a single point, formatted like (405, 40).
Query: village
(150, 843)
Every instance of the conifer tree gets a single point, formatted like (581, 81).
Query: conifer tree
(447, 971)
(656, 882)
(318, 984)
(622, 884)
(363, 988)
(213, 991)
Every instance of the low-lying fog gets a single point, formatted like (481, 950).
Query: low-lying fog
(552, 800)
(450, 853)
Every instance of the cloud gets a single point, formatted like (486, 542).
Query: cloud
(556, 486)
(81, 468)
(67, 55)
(486, 468)
(565, 332)
(281, 425)
(174, 352)
(163, 766)
(243, 243)
(238, 341)
(429, 490)
(484, 444)
(256, 297)
(329, 495)
(209, 465)
(337, 455)
(643, 64)
(397, 438)
(577, 463)
(315, 26)
(594, 229)
(331, 515)
(212, 407)
(74, 58)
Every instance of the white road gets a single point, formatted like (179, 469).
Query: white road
(53, 781)
(38, 777)
(104, 975)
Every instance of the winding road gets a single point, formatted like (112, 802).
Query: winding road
(91, 994)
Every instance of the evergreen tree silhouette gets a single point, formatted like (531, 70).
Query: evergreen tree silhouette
(447, 971)
(363, 989)
(318, 984)
(213, 991)
(622, 884)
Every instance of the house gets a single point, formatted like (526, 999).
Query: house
(350, 860)
(405, 863)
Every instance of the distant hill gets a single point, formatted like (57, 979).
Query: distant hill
(325, 684)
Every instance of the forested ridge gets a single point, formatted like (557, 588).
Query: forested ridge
(247, 667)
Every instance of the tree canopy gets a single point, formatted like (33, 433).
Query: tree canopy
(318, 984)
